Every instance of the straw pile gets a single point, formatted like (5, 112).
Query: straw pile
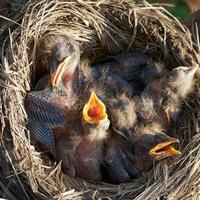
(102, 27)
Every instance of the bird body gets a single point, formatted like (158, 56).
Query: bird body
(161, 99)
(80, 156)
(50, 108)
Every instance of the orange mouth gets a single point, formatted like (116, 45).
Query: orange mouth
(55, 78)
(164, 149)
(94, 110)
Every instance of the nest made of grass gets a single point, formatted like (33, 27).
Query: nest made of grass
(102, 28)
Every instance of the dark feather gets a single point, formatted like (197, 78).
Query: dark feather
(113, 170)
(40, 109)
(42, 133)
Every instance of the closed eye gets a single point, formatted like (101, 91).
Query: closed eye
(162, 101)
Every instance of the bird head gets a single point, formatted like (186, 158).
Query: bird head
(63, 59)
(151, 141)
(161, 146)
(95, 119)
(150, 147)
(180, 77)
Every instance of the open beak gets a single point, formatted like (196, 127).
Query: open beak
(94, 110)
(56, 76)
(164, 149)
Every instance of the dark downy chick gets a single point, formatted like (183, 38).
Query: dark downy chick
(128, 158)
(82, 158)
(50, 108)
(161, 99)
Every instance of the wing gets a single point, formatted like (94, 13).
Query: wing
(42, 133)
(44, 114)
(117, 167)
(43, 108)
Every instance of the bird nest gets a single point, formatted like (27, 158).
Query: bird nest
(104, 27)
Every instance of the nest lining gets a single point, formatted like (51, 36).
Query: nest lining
(102, 28)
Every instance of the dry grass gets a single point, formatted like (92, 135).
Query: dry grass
(102, 27)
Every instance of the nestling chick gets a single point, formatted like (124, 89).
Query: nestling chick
(50, 108)
(81, 149)
(162, 98)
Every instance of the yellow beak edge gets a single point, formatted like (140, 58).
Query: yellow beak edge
(94, 110)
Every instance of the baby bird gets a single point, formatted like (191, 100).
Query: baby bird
(161, 99)
(81, 148)
(128, 158)
(50, 108)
